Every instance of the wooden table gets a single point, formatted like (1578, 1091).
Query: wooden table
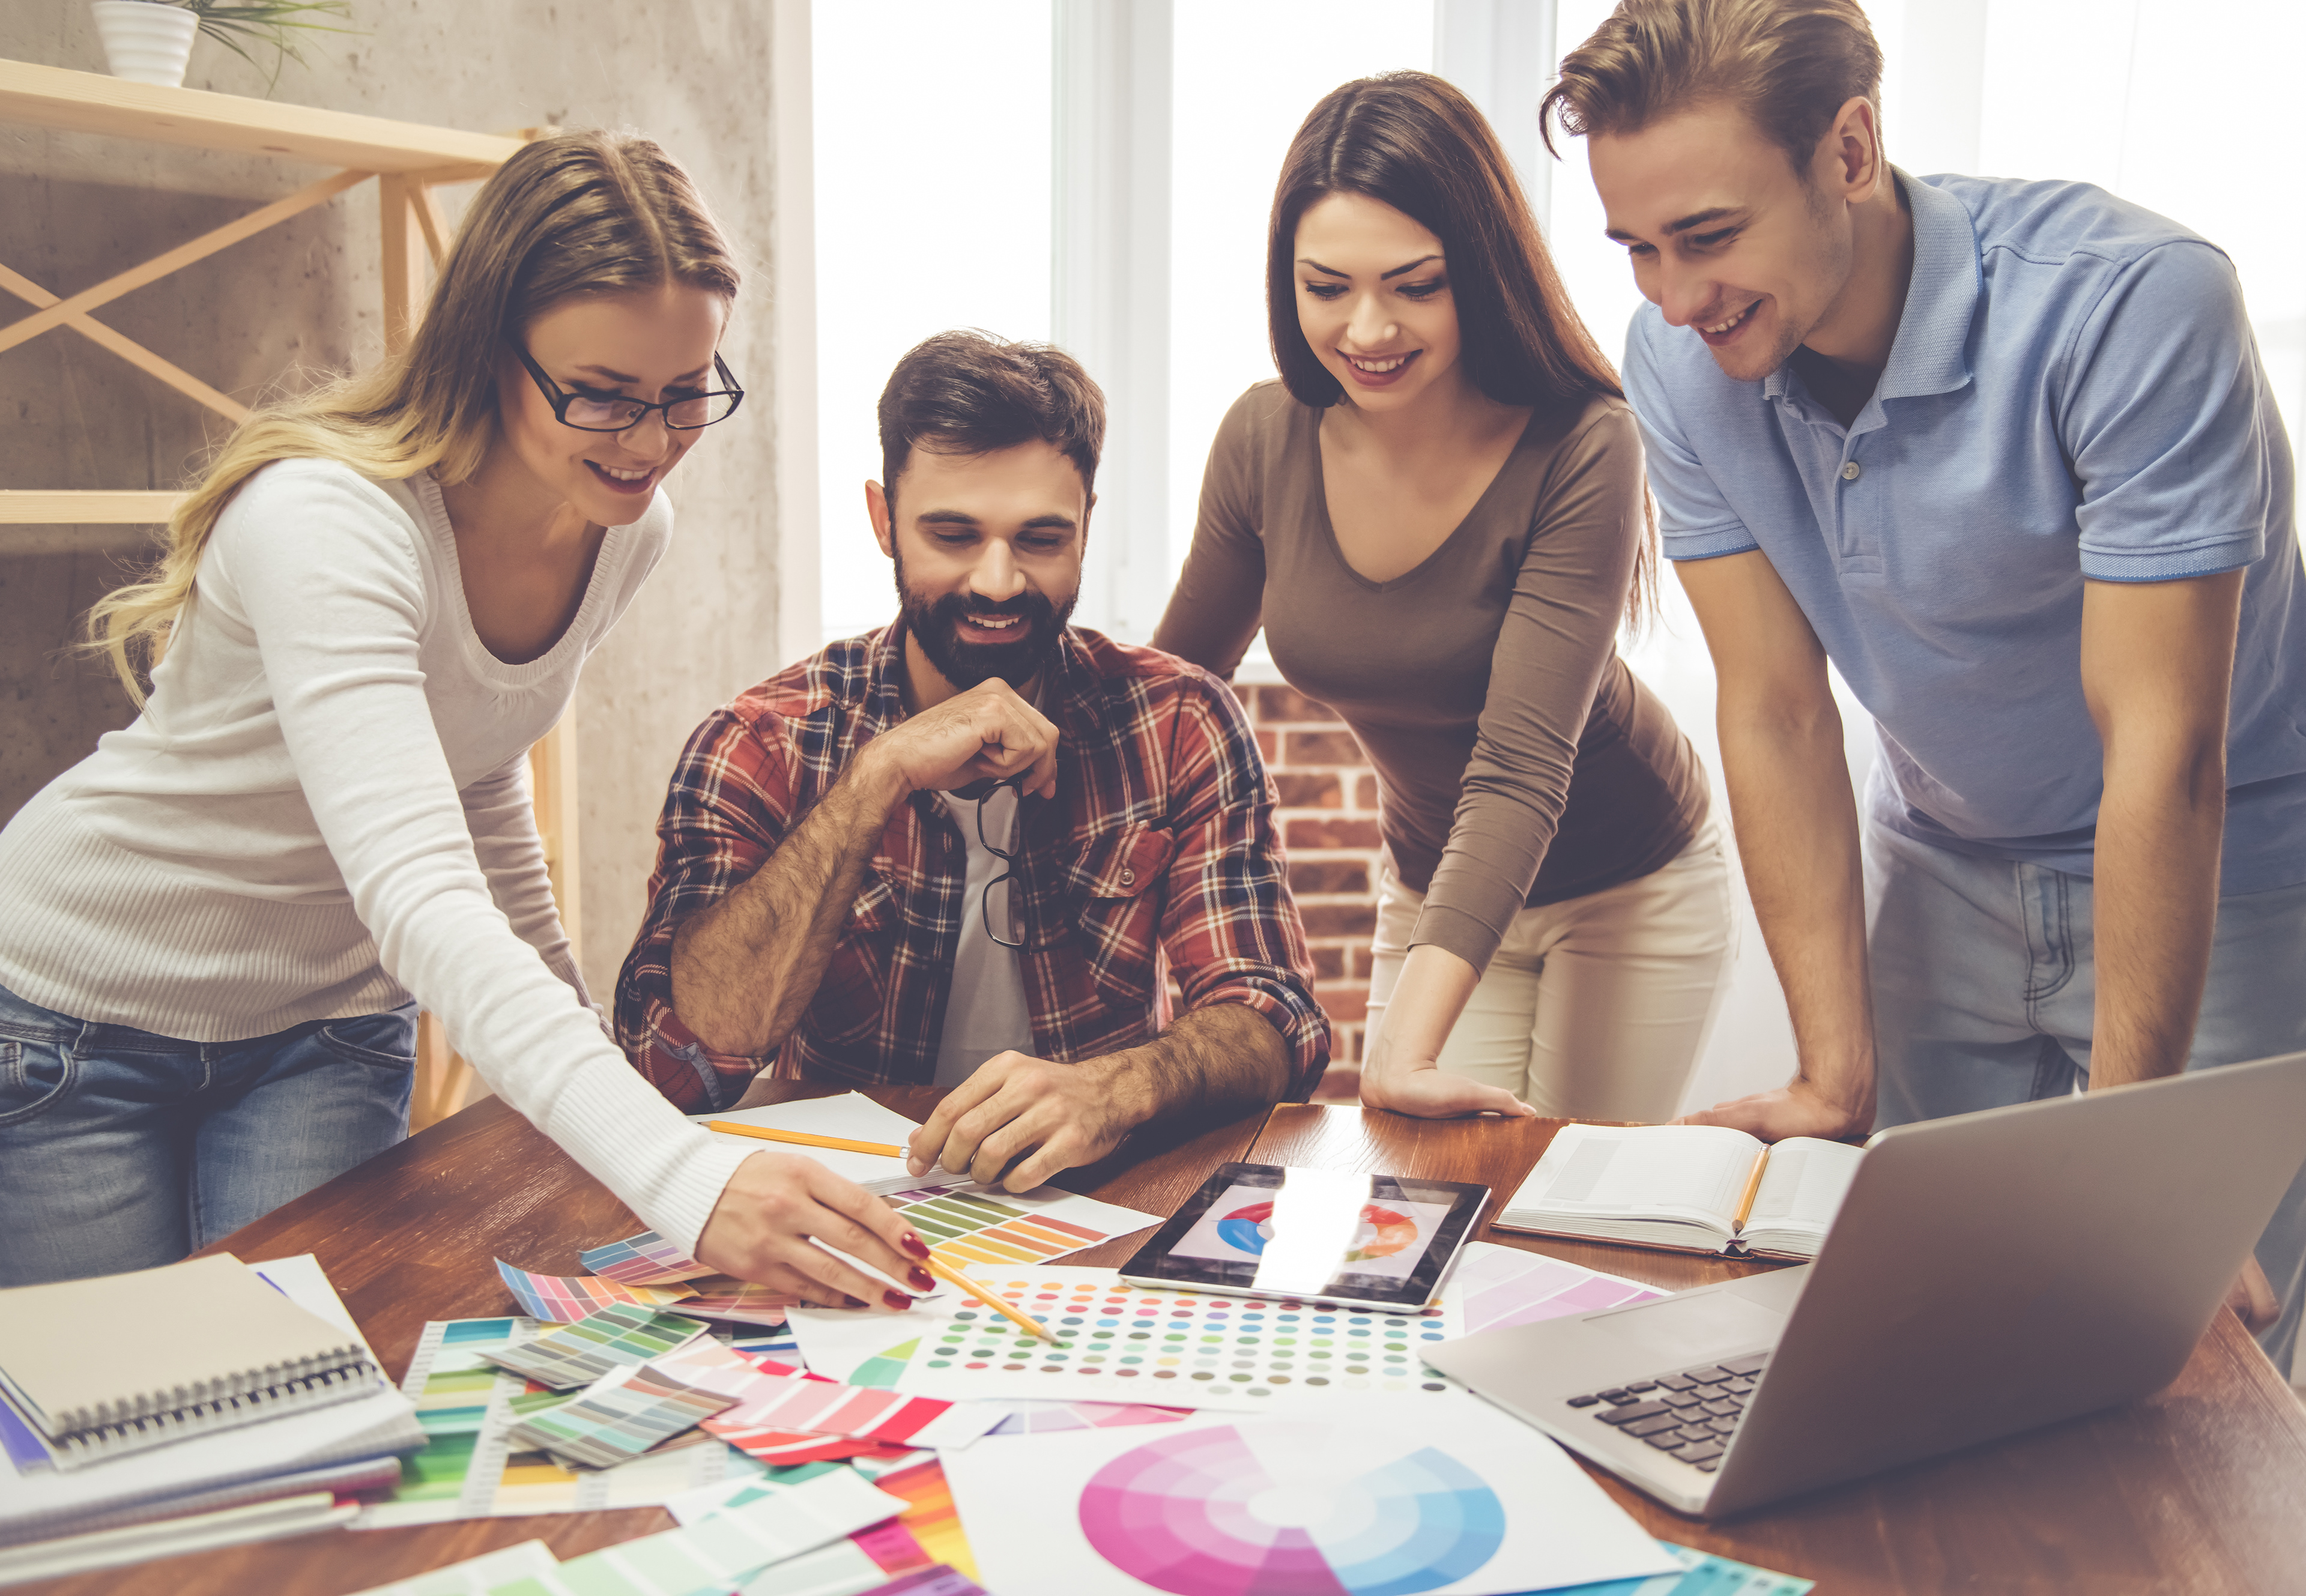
(2201, 1488)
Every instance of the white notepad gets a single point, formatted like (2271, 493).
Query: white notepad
(121, 1363)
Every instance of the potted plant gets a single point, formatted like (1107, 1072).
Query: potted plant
(150, 41)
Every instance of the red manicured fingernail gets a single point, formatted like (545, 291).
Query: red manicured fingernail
(922, 1280)
(897, 1300)
(915, 1246)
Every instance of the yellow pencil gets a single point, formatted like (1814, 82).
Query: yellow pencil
(1753, 1186)
(946, 1272)
(803, 1138)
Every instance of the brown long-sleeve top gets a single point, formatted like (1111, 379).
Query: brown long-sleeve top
(1518, 759)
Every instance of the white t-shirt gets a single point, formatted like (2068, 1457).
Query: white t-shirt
(986, 1013)
(324, 810)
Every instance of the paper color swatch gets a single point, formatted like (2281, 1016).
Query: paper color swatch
(1702, 1574)
(929, 1513)
(864, 1562)
(789, 1403)
(1497, 1286)
(645, 1260)
(970, 1226)
(725, 1551)
(469, 1468)
(1043, 1417)
(735, 1302)
(625, 1413)
(564, 1299)
(623, 1333)
(939, 1580)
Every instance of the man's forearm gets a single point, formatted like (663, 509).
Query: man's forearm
(1211, 1060)
(2154, 911)
(1797, 824)
(745, 969)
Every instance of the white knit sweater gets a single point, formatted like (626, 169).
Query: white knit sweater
(324, 809)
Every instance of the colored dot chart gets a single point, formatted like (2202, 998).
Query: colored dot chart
(1188, 1349)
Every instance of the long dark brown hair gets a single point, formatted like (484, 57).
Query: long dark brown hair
(1416, 142)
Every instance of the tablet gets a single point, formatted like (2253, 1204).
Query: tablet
(1326, 1235)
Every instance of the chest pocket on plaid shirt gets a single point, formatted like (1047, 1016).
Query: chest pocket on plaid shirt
(1118, 895)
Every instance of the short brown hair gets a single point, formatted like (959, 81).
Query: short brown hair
(971, 393)
(1791, 65)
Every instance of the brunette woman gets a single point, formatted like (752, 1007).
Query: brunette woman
(219, 923)
(1438, 515)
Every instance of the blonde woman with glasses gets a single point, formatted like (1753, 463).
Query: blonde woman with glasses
(219, 924)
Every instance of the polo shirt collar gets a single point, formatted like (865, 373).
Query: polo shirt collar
(1930, 354)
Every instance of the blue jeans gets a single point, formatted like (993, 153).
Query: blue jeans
(1984, 991)
(120, 1149)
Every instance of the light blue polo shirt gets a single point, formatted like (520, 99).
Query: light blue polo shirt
(2073, 392)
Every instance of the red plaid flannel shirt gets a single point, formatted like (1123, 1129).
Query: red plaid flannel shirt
(1136, 858)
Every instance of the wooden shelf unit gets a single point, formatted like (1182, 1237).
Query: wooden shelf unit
(407, 161)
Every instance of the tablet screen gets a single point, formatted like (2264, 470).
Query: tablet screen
(1308, 1232)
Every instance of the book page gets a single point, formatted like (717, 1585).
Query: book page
(1802, 1187)
(1691, 1173)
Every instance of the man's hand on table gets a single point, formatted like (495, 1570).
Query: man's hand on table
(1801, 1108)
(775, 1211)
(1053, 1116)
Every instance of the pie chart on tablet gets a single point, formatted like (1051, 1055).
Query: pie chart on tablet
(1308, 1510)
(1381, 1234)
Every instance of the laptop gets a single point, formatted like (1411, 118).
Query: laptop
(1986, 1275)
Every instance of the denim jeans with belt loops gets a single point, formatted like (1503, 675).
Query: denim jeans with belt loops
(121, 1149)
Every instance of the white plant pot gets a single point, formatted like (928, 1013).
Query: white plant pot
(144, 41)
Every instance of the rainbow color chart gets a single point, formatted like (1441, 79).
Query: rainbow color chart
(1202, 1514)
(964, 1228)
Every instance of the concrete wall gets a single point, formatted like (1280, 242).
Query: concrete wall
(302, 299)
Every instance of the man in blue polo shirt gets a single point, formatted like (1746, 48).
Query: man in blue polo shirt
(2004, 453)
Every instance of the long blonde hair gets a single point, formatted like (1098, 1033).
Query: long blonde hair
(571, 216)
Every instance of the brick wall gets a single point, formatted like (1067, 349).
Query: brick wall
(1329, 822)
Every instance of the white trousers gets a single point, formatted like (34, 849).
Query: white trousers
(1596, 1008)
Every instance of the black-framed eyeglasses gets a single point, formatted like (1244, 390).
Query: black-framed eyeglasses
(1006, 882)
(616, 413)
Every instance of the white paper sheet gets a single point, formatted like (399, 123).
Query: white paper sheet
(1374, 1493)
(851, 1116)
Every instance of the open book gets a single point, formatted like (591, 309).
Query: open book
(1694, 1188)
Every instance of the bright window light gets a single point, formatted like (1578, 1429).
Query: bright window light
(932, 133)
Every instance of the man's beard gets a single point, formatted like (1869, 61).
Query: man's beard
(935, 625)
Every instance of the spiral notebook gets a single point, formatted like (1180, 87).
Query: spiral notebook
(122, 1362)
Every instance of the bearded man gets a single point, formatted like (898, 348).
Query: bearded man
(955, 851)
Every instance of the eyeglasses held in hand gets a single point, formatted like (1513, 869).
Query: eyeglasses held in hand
(1000, 893)
(615, 412)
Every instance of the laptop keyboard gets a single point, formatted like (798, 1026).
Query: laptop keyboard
(1687, 1414)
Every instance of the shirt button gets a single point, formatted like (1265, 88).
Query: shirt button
(1128, 876)
(1851, 472)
